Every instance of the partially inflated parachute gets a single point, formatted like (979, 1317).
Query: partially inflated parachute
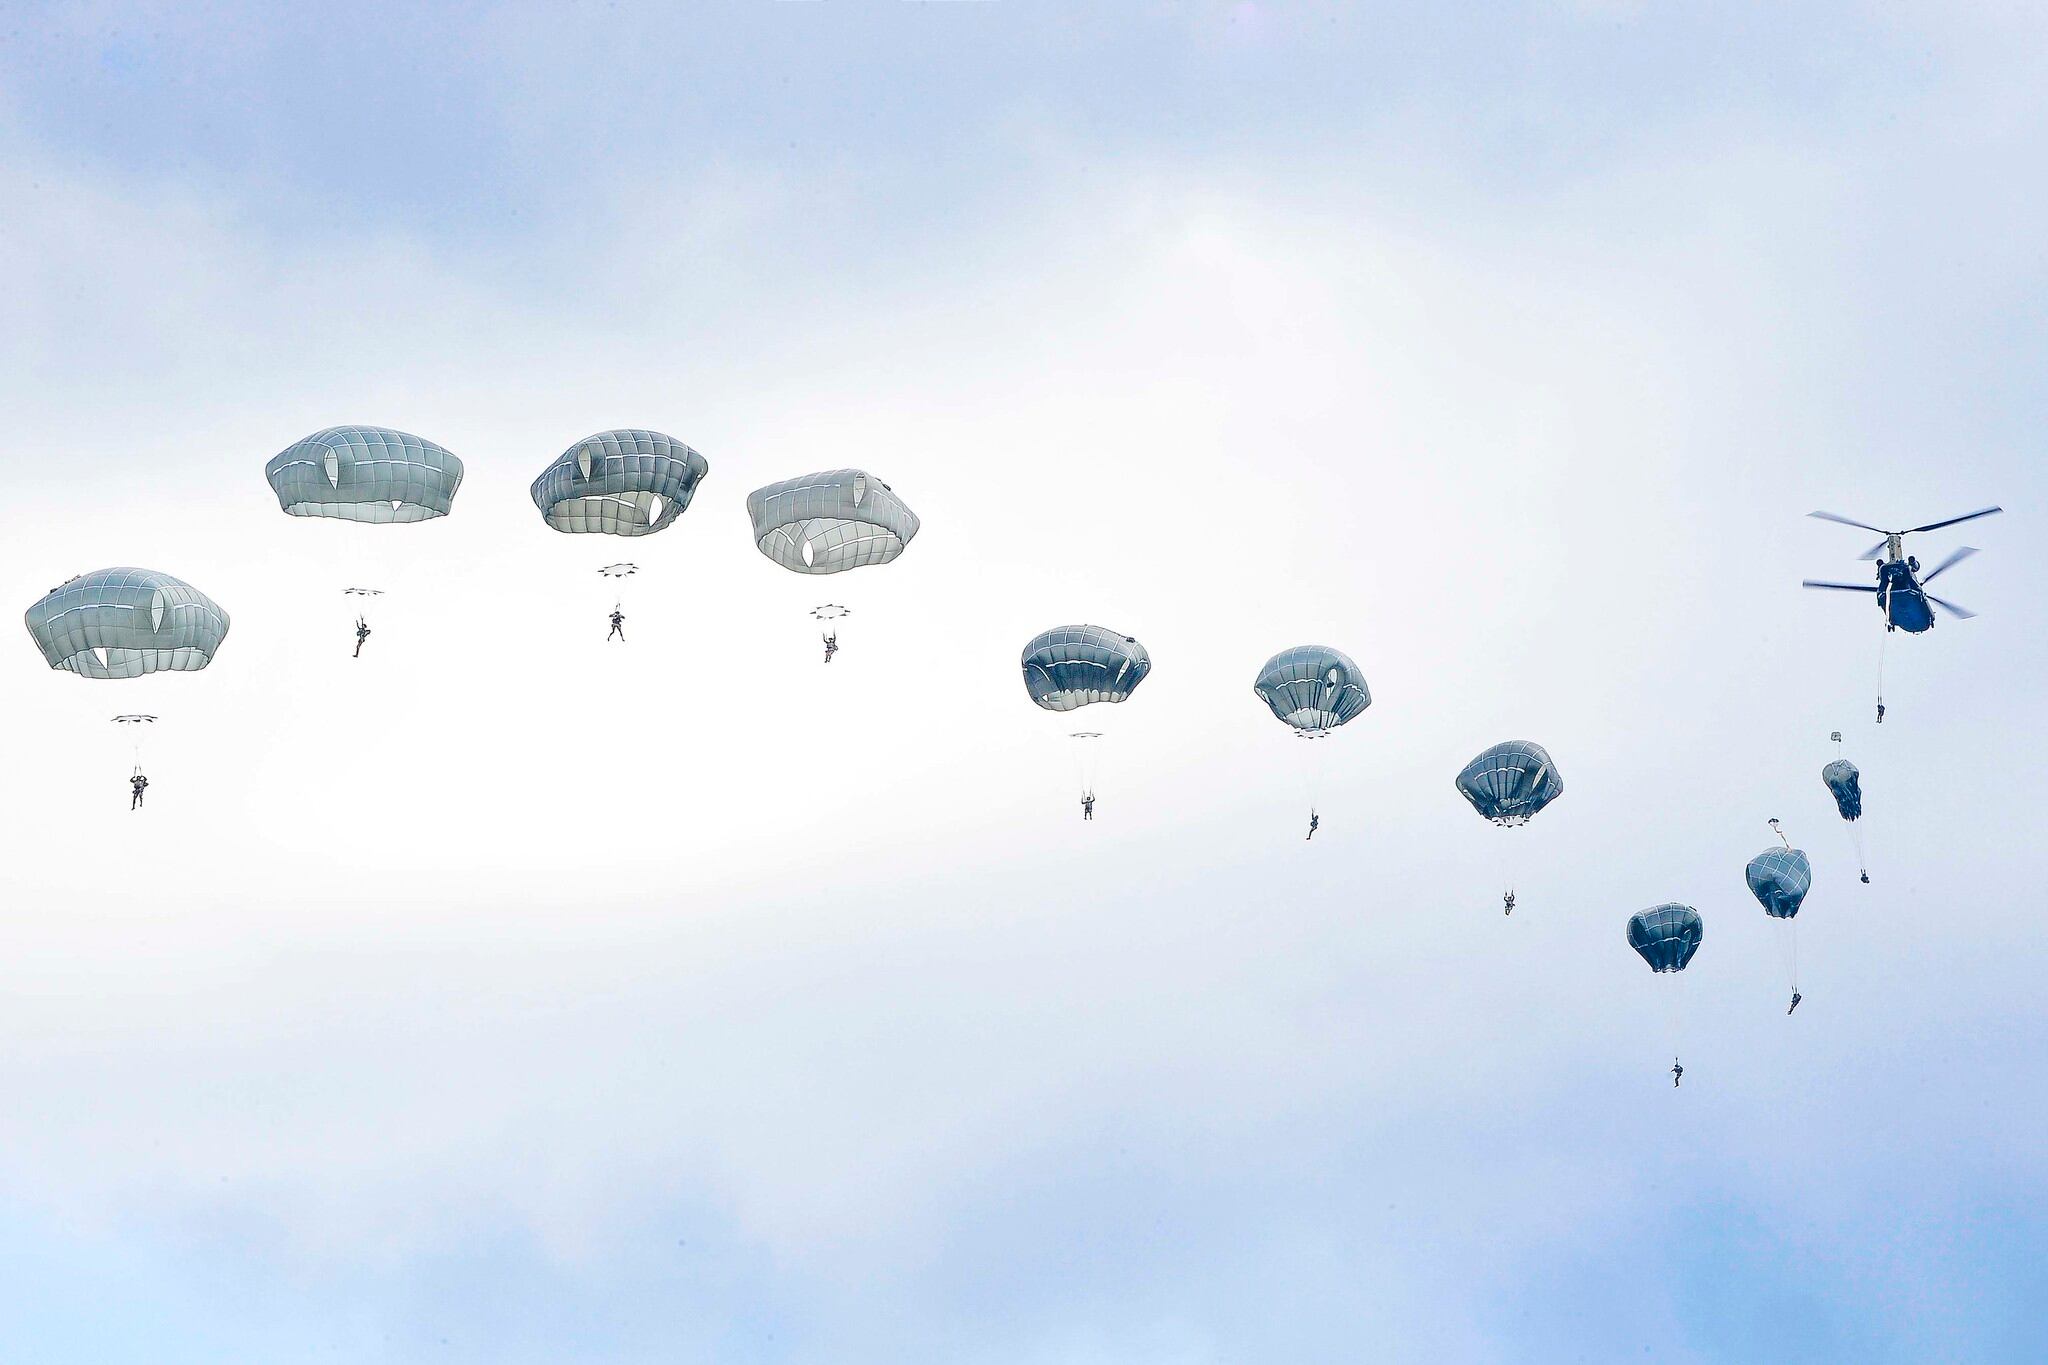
(1779, 878)
(627, 482)
(125, 623)
(1845, 783)
(366, 474)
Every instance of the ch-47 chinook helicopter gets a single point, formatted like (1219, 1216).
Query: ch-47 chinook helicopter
(1900, 589)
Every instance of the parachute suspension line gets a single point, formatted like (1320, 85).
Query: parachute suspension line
(1309, 768)
(1503, 865)
(1674, 1015)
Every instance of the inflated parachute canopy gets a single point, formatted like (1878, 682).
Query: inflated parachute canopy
(123, 623)
(1847, 785)
(1510, 782)
(371, 474)
(831, 522)
(1313, 688)
(1666, 936)
(1069, 667)
(619, 483)
(1779, 878)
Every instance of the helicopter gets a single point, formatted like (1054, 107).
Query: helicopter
(1901, 592)
(1900, 589)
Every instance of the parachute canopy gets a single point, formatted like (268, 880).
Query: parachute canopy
(1069, 667)
(830, 522)
(371, 474)
(1510, 782)
(619, 483)
(1779, 878)
(123, 623)
(1847, 785)
(1313, 688)
(1666, 936)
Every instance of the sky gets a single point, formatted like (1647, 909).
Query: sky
(509, 996)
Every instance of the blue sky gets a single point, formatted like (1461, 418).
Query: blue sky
(510, 999)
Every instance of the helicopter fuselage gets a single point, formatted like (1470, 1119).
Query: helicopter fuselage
(1900, 597)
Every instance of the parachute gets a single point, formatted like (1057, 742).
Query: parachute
(1312, 688)
(366, 474)
(627, 482)
(1666, 936)
(1845, 784)
(1779, 878)
(1069, 667)
(125, 623)
(1508, 784)
(831, 522)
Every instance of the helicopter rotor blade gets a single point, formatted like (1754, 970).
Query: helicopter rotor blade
(1876, 551)
(1837, 587)
(1864, 525)
(1958, 557)
(1951, 608)
(1953, 521)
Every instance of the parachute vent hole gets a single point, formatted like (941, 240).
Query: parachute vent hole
(657, 506)
(810, 555)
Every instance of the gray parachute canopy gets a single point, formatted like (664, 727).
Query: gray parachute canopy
(371, 474)
(1847, 785)
(830, 522)
(1313, 688)
(1069, 667)
(1510, 782)
(619, 483)
(1666, 936)
(1779, 878)
(123, 623)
